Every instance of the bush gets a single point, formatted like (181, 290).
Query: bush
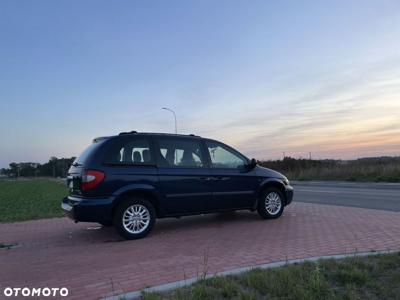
(379, 169)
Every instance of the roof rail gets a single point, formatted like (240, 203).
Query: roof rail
(130, 132)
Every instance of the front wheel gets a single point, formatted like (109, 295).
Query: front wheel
(134, 218)
(271, 204)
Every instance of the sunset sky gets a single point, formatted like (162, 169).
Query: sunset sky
(263, 76)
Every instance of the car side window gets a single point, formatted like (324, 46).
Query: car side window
(180, 153)
(223, 157)
(128, 152)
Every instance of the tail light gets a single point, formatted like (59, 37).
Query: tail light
(91, 179)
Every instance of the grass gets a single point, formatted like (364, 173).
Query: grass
(372, 277)
(30, 199)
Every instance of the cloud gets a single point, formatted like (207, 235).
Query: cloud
(356, 110)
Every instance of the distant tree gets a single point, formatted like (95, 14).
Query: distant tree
(56, 167)
(27, 169)
(14, 169)
(5, 171)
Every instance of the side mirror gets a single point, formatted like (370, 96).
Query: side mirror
(252, 164)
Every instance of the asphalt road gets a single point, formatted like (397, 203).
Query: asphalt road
(383, 196)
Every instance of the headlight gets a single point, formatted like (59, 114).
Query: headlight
(285, 181)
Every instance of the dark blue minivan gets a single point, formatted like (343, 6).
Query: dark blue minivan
(130, 179)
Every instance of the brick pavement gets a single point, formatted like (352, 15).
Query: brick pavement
(94, 263)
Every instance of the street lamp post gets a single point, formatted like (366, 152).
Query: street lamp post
(166, 108)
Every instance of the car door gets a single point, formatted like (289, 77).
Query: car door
(184, 175)
(233, 185)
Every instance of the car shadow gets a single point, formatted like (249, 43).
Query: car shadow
(95, 233)
(207, 220)
(182, 225)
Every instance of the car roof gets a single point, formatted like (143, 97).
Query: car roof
(135, 133)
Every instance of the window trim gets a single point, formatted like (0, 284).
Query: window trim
(129, 164)
(156, 139)
(229, 149)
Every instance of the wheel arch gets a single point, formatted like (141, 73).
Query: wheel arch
(147, 192)
(270, 182)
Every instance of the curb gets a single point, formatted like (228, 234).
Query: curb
(182, 283)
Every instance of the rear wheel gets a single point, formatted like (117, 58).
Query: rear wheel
(134, 218)
(271, 204)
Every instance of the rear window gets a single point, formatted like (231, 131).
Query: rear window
(128, 152)
(81, 159)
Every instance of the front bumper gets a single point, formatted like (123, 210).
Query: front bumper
(88, 209)
(289, 194)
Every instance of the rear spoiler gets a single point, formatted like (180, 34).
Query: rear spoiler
(100, 138)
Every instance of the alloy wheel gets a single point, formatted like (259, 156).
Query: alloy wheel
(136, 218)
(273, 203)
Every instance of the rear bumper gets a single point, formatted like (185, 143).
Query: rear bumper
(289, 194)
(87, 209)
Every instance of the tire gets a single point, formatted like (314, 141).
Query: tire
(274, 208)
(134, 218)
(106, 223)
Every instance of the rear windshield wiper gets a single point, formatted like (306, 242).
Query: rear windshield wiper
(76, 164)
